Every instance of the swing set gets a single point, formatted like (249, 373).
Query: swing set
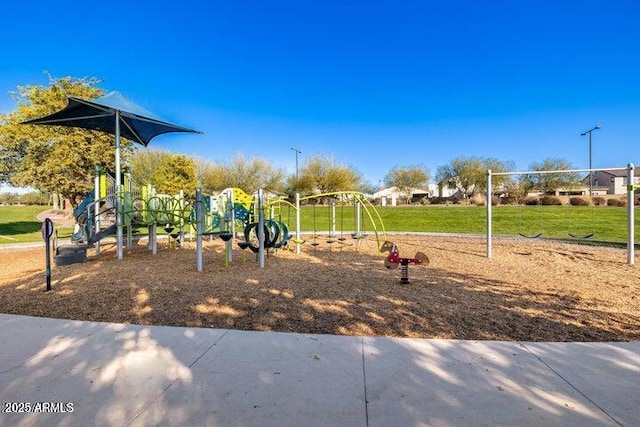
(341, 202)
(630, 209)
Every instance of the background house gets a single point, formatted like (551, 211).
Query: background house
(615, 182)
(391, 196)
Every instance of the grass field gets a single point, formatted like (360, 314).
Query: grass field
(19, 223)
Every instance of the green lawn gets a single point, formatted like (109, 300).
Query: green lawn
(19, 223)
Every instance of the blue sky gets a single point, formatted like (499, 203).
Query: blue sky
(373, 84)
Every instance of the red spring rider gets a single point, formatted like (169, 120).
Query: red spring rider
(393, 260)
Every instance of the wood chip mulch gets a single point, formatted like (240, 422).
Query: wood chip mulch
(531, 290)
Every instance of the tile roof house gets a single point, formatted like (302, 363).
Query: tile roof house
(614, 181)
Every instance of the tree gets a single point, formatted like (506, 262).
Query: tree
(549, 182)
(167, 172)
(176, 172)
(407, 179)
(469, 174)
(463, 173)
(248, 174)
(251, 174)
(323, 175)
(145, 163)
(211, 177)
(54, 158)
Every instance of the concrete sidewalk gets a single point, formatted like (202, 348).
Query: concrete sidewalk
(120, 375)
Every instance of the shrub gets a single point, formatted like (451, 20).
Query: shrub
(478, 200)
(9, 198)
(34, 198)
(599, 201)
(579, 201)
(509, 200)
(617, 201)
(495, 200)
(550, 201)
(532, 201)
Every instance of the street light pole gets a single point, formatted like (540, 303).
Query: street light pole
(590, 157)
(297, 152)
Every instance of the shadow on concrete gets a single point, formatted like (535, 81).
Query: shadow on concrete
(144, 375)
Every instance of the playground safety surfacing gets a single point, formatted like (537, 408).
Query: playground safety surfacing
(530, 291)
(120, 375)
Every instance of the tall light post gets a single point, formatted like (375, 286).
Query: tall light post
(297, 152)
(590, 157)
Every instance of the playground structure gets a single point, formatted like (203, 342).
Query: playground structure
(260, 221)
(265, 228)
(631, 188)
(336, 233)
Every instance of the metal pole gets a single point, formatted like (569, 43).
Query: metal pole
(261, 236)
(358, 218)
(118, 191)
(181, 206)
(590, 167)
(47, 272)
(333, 219)
(556, 171)
(96, 206)
(47, 232)
(358, 223)
(147, 215)
(590, 131)
(199, 229)
(297, 152)
(154, 236)
(489, 230)
(630, 215)
(229, 227)
(126, 193)
(297, 223)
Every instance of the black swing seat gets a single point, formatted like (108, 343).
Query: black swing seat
(225, 236)
(535, 236)
(588, 236)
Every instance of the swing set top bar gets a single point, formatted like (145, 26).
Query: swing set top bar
(558, 171)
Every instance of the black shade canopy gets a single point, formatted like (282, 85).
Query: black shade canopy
(136, 123)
